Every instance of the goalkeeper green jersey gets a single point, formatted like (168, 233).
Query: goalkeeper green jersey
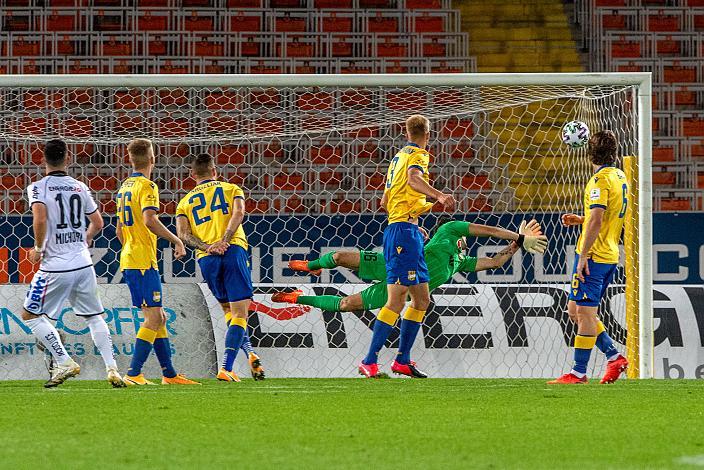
(441, 255)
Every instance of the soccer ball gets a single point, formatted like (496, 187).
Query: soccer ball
(575, 134)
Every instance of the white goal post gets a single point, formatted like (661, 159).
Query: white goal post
(487, 95)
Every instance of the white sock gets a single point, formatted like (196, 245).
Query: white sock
(49, 337)
(577, 374)
(101, 338)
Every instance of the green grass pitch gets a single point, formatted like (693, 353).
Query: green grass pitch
(347, 423)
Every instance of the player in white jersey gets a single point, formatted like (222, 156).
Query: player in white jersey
(60, 205)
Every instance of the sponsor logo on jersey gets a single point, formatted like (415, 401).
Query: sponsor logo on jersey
(35, 192)
(75, 189)
(595, 194)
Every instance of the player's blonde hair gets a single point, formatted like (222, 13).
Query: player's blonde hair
(417, 126)
(140, 152)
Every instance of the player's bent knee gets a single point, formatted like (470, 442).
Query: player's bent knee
(28, 316)
(350, 304)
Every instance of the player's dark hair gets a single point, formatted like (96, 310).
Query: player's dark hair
(55, 152)
(602, 148)
(202, 165)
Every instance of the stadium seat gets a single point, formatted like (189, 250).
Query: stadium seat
(17, 21)
(327, 179)
(4, 268)
(288, 181)
(336, 22)
(260, 206)
(13, 182)
(241, 21)
(472, 182)
(457, 128)
(315, 101)
(230, 154)
(405, 101)
(326, 154)
(375, 181)
(342, 206)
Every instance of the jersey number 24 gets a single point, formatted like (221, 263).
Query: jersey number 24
(218, 203)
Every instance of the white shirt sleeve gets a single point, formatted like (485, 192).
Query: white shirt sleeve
(35, 193)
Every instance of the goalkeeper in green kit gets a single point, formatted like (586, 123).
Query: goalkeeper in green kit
(444, 255)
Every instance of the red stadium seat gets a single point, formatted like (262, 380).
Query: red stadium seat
(222, 100)
(291, 204)
(76, 127)
(662, 22)
(369, 150)
(675, 204)
(149, 20)
(242, 21)
(269, 126)
(333, 4)
(328, 179)
(102, 183)
(231, 154)
(404, 100)
(223, 124)
(663, 154)
(334, 23)
(269, 98)
(13, 182)
(198, 22)
(326, 154)
(693, 127)
(614, 21)
(458, 128)
(4, 271)
(315, 101)
(345, 207)
(626, 49)
(423, 4)
(57, 21)
(428, 23)
(390, 48)
(375, 181)
(288, 181)
(12, 22)
(473, 182)
(259, 206)
(663, 178)
(289, 24)
(382, 24)
(245, 4)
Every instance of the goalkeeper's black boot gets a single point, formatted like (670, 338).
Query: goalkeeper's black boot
(409, 369)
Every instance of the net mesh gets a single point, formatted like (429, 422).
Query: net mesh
(312, 162)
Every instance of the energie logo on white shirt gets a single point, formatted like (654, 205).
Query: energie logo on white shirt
(67, 202)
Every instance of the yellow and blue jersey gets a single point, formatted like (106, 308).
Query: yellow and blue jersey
(136, 195)
(403, 202)
(208, 208)
(607, 189)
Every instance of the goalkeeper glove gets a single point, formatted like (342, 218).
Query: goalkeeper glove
(531, 243)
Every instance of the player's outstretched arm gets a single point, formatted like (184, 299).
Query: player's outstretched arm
(498, 260)
(529, 236)
(95, 225)
(416, 181)
(152, 222)
(184, 232)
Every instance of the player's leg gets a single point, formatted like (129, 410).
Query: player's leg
(46, 296)
(396, 254)
(616, 362)
(255, 363)
(142, 295)
(383, 325)
(583, 304)
(86, 304)
(346, 259)
(223, 374)
(413, 317)
(239, 290)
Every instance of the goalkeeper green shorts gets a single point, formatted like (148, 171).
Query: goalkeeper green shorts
(372, 266)
(374, 296)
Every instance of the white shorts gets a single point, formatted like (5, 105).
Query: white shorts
(48, 292)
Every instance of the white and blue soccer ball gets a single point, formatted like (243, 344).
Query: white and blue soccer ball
(575, 134)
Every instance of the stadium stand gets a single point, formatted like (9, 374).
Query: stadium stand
(666, 38)
(217, 36)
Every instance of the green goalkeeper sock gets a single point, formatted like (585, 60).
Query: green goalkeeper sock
(329, 303)
(324, 262)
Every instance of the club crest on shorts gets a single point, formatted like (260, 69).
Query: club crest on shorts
(156, 296)
(399, 249)
(411, 275)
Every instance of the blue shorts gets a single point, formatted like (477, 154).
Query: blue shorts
(403, 252)
(590, 292)
(228, 276)
(145, 286)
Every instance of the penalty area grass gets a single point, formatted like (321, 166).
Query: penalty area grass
(355, 423)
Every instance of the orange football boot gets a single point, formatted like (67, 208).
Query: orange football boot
(302, 266)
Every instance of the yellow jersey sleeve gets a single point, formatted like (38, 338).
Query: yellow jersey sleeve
(149, 196)
(139, 244)
(599, 193)
(419, 160)
(208, 208)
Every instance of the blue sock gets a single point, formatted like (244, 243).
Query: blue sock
(582, 352)
(246, 344)
(162, 349)
(233, 341)
(142, 348)
(409, 331)
(385, 321)
(606, 345)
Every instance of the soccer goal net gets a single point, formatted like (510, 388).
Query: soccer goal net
(311, 153)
